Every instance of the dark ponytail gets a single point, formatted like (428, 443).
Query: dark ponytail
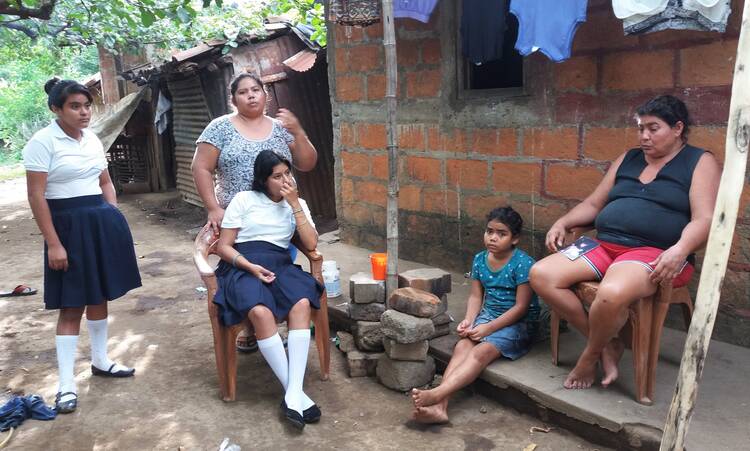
(58, 91)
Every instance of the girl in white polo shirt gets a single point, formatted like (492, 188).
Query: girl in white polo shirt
(88, 249)
(258, 280)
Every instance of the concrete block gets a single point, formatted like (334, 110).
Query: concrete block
(440, 330)
(368, 336)
(346, 341)
(402, 375)
(361, 364)
(432, 280)
(363, 289)
(366, 312)
(405, 328)
(442, 318)
(443, 307)
(412, 351)
(413, 301)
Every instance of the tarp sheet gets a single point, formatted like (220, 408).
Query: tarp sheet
(109, 126)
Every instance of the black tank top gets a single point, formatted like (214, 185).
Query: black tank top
(651, 214)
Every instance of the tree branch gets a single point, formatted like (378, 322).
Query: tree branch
(17, 8)
(32, 34)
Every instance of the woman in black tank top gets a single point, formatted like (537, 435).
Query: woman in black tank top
(658, 200)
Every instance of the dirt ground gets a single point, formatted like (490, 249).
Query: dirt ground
(172, 402)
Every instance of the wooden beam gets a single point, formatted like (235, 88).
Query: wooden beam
(391, 80)
(717, 251)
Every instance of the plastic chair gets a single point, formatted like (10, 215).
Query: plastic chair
(641, 333)
(224, 337)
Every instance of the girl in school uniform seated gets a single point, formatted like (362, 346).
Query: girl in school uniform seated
(88, 249)
(258, 280)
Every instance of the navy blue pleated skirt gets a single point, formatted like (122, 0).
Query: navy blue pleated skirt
(239, 291)
(101, 260)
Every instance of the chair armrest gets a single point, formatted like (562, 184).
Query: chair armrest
(205, 245)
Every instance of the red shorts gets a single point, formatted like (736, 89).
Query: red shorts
(607, 254)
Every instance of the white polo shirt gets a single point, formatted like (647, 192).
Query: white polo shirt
(73, 167)
(261, 219)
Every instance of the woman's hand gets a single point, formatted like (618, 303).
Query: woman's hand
(215, 216)
(479, 332)
(463, 328)
(668, 264)
(555, 237)
(57, 257)
(262, 273)
(290, 194)
(289, 121)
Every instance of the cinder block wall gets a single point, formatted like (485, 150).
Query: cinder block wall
(541, 151)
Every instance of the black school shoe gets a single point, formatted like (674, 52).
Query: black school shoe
(309, 415)
(66, 406)
(109, 373)
(292, 416)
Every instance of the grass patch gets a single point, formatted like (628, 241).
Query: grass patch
(12, 171)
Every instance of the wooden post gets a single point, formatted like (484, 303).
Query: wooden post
(391, 84)
(717, 251)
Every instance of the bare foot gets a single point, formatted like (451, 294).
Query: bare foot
(424, 398)
(611, 355)
(584, 373)
(430, 415)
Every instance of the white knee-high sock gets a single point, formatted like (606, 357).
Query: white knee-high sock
(98, 336)
(273, 351)
(66, 358)
(298, 344)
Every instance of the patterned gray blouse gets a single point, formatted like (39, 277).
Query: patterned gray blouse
(234, 170)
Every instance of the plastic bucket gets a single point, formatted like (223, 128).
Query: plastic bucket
(378, 262)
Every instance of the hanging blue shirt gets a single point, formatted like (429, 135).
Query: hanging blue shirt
(414, 9)
(548, 26)
(500, 286)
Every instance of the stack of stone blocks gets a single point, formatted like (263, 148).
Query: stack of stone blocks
(391, 339)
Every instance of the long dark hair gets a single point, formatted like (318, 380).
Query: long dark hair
(264, 164)
(58, 91)
(235, 83)
(670, 109)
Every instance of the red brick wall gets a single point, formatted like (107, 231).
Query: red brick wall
(542, 154)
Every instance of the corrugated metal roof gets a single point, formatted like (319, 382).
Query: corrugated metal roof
(302, 61)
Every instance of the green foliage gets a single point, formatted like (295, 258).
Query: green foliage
(24, 68)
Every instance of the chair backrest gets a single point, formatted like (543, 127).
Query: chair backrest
(205, 245)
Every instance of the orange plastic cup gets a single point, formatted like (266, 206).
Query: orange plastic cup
(378, 261)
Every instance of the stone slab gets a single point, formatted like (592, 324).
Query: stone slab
(346, 341)
(400, 351)
(363, 289)
(362, 364)
(413, 301)
(403, 375)
(406, 328)
(366, 312)
(368, 336)
(433, 280)
(443, 318)
(440, 330)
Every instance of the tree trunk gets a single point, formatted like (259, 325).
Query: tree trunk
(717, 251)
(391, 77)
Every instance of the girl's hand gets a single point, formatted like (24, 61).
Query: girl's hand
(555, 237)
(289, 192)
(479, 332)
(262, 273)
(463, 328)
(214, 219)
(668, 264)
(289, 121)
(57, 257)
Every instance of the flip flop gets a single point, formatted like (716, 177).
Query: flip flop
(21, 290)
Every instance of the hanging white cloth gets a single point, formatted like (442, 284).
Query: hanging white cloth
(713, 10)
(628, 8)
(161, 118)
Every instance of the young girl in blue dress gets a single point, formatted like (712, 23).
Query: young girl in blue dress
(89, 258)
(501, 314)
(258, 280)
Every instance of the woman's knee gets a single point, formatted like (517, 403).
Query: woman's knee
(485, 353)
(70, 314)
(302, 307)
(260, 314)
(543, 275)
